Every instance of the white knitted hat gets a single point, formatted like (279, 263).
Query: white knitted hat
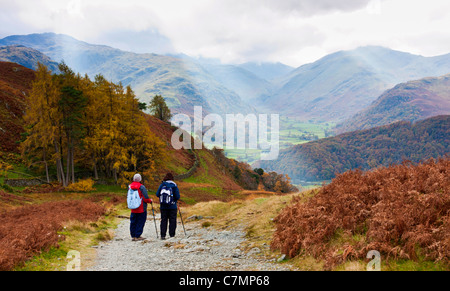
(137, 178)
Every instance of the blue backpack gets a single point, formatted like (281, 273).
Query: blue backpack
(166, 197)
(133, 199)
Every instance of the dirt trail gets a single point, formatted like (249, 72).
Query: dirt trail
(203, 249)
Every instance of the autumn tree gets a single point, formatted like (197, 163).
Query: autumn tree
(42, 123)
(159, 108)
(96, 125)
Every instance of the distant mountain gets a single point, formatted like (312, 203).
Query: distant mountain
(182, 82)
(251, 81)
(80, 56)
(411, 101)
(267, 71)
(341, 84)
(15, 84)
(366, 149)
(26, 57)
(333, 88)
(246, 84)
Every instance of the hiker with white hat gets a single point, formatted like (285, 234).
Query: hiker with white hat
(138, 215)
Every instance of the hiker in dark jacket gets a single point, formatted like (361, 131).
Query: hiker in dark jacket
(168, 194)
(138, 216)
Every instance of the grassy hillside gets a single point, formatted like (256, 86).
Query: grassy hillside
(211, 181)
(179, 160)
(367, 149)
(26, 57)
(411, 101)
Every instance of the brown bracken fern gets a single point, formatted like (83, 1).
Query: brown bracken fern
(402, 211)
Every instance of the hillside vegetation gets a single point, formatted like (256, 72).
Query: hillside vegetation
(401, 211)
(15, 84)
(411, 101)
(73, 122)
(366, 149)
(51, 225)
(29, 230)
(95, 128)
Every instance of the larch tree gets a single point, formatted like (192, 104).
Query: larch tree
(42, 120)
(96, 125)
(159, 108)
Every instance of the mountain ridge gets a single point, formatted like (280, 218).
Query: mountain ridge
(26, 57)
(333, 88)
(341, 84)
(183, 82)
(410, 101)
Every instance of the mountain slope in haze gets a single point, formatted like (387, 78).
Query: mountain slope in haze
(15, 83)
(366, 149)
(245, 83)
(341, 84)
(250, 81)
(267, 71)
(411, 101)
(184, 83)
(26, 57)
(333, 88)
(79, 55)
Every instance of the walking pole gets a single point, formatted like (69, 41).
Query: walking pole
(154, 220)
(179, 210)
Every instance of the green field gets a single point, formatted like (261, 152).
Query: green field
(292, 132)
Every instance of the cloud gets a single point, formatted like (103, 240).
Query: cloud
(9, 23)
(290, 31)
(146, 41)
(313, 7)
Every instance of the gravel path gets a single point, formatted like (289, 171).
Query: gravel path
(203, 249)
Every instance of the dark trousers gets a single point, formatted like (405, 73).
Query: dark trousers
(168, 216)
(137, 223)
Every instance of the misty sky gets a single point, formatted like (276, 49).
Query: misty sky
(293, 32)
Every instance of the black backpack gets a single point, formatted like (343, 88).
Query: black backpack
(166, 196)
